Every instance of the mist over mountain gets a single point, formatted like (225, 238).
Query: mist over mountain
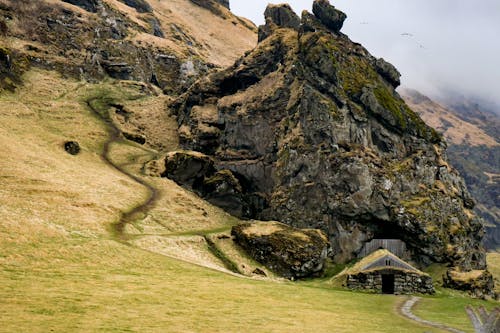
(437, 46)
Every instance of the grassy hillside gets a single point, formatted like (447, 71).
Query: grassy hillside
(62, 269)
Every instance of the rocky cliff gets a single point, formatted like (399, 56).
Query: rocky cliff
(311, 132)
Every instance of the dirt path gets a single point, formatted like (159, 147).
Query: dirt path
(406, 311)
(114, 136)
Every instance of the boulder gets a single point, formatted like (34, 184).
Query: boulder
(156, 27)
(136, 137)
(72, 147)
(281, 16)
(331, 17)
(290, 252)
(388, 72)
(478, 283)
(264, 31)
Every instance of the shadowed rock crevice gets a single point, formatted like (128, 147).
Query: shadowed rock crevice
(88, 5)
(142, 6)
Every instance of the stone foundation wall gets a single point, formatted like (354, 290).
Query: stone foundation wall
(404, 282)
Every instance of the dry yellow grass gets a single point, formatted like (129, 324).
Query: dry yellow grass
(263, 229)
(44, 186)
(149, 115)
(223, 39)
(466, 276)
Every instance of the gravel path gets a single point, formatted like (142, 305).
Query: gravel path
(406, 311)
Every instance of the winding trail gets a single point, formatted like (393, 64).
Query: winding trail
(406, 311)
(144, 207)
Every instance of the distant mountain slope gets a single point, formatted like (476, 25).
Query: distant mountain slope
(483, 113)
(472, 132)
(456, 128)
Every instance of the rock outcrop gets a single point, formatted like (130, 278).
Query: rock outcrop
(389, 72)
(12, 66)
(472, 131)
(276, 16)
(331, 17)
(290, 252)
(197, 172)
(310, 122)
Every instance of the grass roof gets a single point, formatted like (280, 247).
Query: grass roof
(373, 257)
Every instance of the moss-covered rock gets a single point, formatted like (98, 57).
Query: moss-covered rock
(278, 16)
(388, 72)
(478, 283)
(290, 252)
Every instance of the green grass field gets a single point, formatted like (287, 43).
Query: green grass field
(61, 270)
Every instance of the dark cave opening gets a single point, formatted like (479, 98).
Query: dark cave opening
(385, 230)
(231, 85)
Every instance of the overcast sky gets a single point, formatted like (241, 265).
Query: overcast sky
(436, 44)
